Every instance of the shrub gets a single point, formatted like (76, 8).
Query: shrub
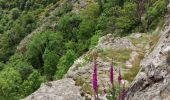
(68, 25)
(10, 80)
(65, 63)
(1, 66)
(50, 59)
(94, 39)
(91, 11)
(15, 13)
(86, 29)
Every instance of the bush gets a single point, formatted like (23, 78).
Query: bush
(86, 29)
(41, 42)
(67, 25)
(94, 39)
(65, 63)
(1, 66)
(50, 59)
(91, 11)
(10, 80)
(15, 13)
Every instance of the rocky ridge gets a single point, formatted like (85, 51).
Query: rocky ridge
(153, 80)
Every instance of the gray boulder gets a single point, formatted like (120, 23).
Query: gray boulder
(64, 89)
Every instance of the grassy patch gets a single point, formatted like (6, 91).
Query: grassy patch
(121, 55)
(132, 72)
(154, 40)
(86, 88)
(143, 39)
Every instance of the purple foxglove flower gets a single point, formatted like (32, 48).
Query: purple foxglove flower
(111, 73)
(94, 77)
(94, 82)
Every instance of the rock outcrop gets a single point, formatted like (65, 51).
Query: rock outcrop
(64, 89)
(153, 80)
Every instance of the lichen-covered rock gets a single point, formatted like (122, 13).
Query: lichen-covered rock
(64, 89)
(153, 80)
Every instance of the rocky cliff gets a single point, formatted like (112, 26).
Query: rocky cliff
(153, 80)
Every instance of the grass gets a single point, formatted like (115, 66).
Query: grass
(154, 40)
(143, 38)
(86, 88)
(132, 72)
(121, 55)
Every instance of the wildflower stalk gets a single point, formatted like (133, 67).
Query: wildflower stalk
(111, 75)
(94, 80)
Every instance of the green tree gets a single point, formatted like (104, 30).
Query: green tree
(67, 25)
(50, 61)
(31, 84)
(86, 29)
(10, 80)
(15, 13)
(64, 64)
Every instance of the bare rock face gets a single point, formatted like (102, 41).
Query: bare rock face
(64, 89)
(153, 80)
(109, 42)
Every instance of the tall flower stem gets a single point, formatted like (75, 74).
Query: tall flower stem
(94, 79)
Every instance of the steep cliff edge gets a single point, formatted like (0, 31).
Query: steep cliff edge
(153, 80)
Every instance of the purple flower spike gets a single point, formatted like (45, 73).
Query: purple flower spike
(94, 82)
(111, 73)
(94, 77)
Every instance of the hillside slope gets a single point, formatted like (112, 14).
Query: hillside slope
(42, 41)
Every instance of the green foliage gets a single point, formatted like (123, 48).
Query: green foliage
(68, 25)
(156, 12)
(18, 79)
(41, 42)
(15, 13)
(158, 8)
(31, 84)
(64, 64)
(91, 11)
(94, 39)
(127, 20)
(50, 61)
(1, 66)
(66, 7)
(86, 29)
(10, 80)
